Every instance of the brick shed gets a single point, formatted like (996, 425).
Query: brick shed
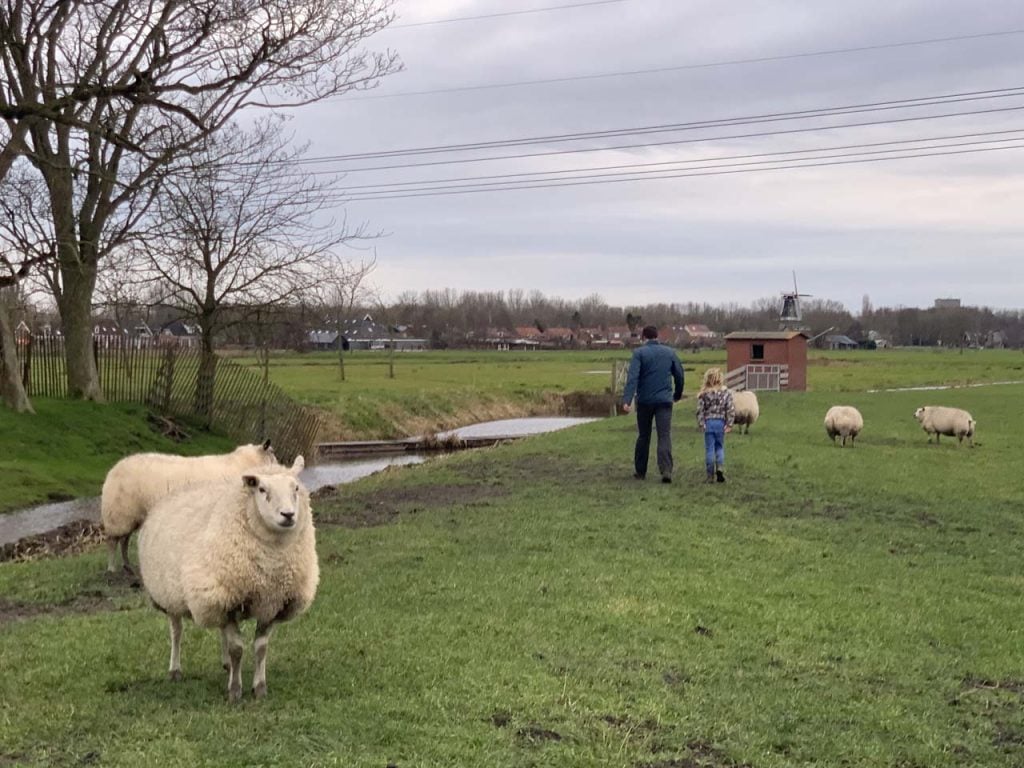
(771, 360)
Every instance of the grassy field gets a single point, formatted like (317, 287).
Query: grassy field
(533, 605)
(432, 391)
(65, 449)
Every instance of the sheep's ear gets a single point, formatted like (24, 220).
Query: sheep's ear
(266, 445)
(250, 481)
(298, 465)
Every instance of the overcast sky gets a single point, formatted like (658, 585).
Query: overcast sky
(903, 232)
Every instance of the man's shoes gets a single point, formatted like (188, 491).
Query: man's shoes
(720, 476)
(666, 478)
(710, 478)
(638, 476)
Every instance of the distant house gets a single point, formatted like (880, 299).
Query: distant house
(324, 340)
(528, 332)
(181, 332)
(839, 341)
(694, 335)
(621, 335)
(558, 335)
(366, 333)
(509, 338)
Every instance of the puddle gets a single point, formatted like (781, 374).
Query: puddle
(517, 427)
(48, 517)
(336, 472)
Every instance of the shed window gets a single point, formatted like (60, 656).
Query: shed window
(757, 351)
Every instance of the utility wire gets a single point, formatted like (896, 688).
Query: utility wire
(782, 153)
(687, 174)
(892, 104)
(683, 67)
(664, 172)
(503, 13)
(677, 142)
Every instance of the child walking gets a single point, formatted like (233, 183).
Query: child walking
(715, 415)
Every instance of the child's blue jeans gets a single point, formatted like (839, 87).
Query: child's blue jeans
(714, 444)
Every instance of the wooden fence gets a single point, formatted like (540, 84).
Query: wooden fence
(165, 377)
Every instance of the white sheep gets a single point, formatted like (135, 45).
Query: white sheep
(940, 420)
(228, 551)
(843, 421)
(747, 409)
(137, 482)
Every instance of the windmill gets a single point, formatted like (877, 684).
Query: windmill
(790, 316)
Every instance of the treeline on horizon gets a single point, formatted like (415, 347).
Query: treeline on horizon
(452, 317)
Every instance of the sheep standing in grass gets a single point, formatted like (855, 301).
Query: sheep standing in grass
(940, 420)
(228, 551)
(843, 421)
(137, 482)
(747, 410)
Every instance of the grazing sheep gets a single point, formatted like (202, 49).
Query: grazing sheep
(137, 482)
(843, 421)
(747, 410)
(232, 550)
(940, 420)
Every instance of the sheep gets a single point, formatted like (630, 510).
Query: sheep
(231, 550)
(843, 421)
(747, 409)
(135, 483)
(940, 420)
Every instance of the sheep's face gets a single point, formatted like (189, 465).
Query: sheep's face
(919, 413)
(278, 499)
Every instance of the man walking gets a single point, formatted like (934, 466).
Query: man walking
(656, 378)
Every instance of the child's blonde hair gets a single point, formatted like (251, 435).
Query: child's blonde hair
(712, 380)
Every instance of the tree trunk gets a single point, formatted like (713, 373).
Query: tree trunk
(205, 378)
(75, 304)
(12, 391)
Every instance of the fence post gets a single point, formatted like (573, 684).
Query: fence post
(26, 368)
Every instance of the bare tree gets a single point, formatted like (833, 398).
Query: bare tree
(340, 288)
(12, 389)
(235, 226)
(131, 86)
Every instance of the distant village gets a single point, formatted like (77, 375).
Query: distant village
(828, 326)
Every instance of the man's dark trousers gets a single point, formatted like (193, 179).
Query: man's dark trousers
(661, 415)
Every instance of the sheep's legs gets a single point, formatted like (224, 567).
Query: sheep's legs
(124, 554)
(260, 643)
(233, 641)
(225, 660)
(112, 553)
(174, 673)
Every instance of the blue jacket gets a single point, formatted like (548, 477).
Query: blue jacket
(652, 372)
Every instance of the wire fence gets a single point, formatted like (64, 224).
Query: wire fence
(167, 378)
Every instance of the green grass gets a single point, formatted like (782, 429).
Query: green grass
(533, 605)
(66, 448)
(441, 390)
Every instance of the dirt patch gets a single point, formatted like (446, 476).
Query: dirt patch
(589, 404)
(535, 734)
(701, 755)
(387, 504)
(982, 683)
(548, 468)
(86, 603)
(70, 539)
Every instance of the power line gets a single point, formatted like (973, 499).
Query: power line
(892, 104)
(677, 142)
(781, 153)
(688, 174)
(684, 67)
(503, 13)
